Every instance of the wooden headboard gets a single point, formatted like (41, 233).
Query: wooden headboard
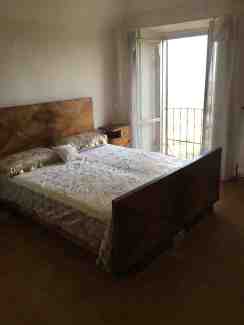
(26, 127)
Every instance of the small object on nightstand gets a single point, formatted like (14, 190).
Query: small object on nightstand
(119, 135)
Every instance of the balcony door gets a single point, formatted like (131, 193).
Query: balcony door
(171, 77)
(183, 70)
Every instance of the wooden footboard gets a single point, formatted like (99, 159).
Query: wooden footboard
(146, 219)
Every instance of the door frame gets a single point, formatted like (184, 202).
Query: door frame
(160, 38)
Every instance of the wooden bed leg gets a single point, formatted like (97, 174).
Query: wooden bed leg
(210, 209)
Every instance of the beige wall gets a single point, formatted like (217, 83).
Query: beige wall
(144, 13)
(58, 50)
(51, 50)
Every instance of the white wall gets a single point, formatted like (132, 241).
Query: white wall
(53, 50)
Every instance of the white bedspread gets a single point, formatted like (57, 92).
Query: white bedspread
(102, 174)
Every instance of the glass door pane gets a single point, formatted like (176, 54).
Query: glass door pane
(150, 80)
(184, 75)
(150, 136)
(147, 119)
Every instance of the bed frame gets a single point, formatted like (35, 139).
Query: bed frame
(146, 220)
(30, 126)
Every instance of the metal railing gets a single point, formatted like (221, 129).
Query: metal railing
(184, 132)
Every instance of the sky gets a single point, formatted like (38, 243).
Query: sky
(187, 71)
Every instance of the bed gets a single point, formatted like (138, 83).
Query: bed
(124, 205)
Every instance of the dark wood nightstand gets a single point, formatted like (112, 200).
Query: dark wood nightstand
(119, 135)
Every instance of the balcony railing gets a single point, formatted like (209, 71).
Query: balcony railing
(184, 132)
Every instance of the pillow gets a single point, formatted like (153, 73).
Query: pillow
(67, 152)
(27, 160)
(84, 140)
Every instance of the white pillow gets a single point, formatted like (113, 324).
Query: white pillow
(67, 152)
(26, 161)
(84, 140)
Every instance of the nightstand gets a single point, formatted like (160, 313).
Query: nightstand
(119, 135)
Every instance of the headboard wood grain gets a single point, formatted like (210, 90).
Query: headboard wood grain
(26, 127)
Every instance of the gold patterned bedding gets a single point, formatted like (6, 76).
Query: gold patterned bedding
(77, 196)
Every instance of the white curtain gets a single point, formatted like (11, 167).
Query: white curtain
(220, 95)
(132, 40)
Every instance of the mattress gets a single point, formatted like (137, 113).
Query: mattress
(76, 197)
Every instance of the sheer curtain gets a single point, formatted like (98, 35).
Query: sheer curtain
(219, 123)
(133, 53)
